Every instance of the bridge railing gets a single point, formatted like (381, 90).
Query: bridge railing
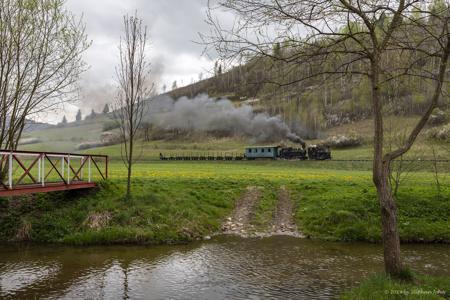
(28, 168)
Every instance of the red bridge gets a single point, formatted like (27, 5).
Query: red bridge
(26, 172)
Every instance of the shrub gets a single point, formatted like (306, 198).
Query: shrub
(439, 117)
(90, 145)
(439, 133)
(29, 141)
(106, 139)
(342, 141)
(110, 125)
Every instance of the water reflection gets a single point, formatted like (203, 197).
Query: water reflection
(225, 268)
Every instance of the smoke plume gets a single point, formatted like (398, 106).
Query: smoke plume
(220, 117)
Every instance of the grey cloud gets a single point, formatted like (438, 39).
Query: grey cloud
(173, 25)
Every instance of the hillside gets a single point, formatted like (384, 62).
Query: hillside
(314, 111)
(315, 103)
(66, 138)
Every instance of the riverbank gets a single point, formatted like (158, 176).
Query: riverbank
(380, 287)
(176, 202)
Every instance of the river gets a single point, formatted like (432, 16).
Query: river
(223, 268)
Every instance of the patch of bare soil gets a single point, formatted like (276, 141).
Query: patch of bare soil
(97, 221)
(23, 234)
(239, 221)
(283, 221)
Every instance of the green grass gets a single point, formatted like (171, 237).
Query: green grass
(347, 209)
(266, 207)
(380, 287)
(182, 201)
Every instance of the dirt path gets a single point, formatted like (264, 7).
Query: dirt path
(283, 221)
(239, 221)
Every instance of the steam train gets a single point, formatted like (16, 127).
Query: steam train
(313, 152)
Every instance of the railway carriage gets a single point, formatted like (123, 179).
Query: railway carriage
(254, 152)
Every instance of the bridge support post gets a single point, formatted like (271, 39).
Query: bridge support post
(10, 171)
(39, 168)
(82, 160)
(43, 172)
(68, 169)
(89, 169)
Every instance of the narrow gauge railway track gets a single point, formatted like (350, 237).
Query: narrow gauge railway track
(237, 157)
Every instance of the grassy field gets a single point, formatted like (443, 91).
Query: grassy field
(182, 201)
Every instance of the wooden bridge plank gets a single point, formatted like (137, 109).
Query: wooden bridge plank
(50, 187)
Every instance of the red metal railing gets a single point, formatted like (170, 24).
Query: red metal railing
(24, 172)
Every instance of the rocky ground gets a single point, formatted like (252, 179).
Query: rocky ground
(239, 223)
(240, 220)
(283, 221)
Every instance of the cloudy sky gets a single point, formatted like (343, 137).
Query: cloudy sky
(173, 26)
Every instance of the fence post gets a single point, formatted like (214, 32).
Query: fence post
(43, 171)
(62, 166)
(10, 179)
(82, 160)
(89, 169)
(68, 168)
(106, 167)
(39, 168)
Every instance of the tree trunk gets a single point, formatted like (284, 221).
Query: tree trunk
(381, 172)
(130, 164)
(390, 235)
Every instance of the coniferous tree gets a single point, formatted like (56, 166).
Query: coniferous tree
(79, 116)
(106, 109)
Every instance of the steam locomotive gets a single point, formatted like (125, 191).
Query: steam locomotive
(313, 152)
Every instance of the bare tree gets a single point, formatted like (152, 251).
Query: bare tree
(350, 39)
(132, 76)
(41, 47)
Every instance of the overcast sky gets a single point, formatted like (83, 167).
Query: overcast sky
(173, 26)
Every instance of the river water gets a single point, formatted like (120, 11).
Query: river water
(222, 268)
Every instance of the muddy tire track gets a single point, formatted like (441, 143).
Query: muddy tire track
(243, 212)
(283, 221)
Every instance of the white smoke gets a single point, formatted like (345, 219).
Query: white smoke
(204, 114)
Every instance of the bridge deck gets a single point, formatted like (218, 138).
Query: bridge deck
(49, 187)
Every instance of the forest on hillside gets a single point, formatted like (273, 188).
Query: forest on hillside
(277, 83)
